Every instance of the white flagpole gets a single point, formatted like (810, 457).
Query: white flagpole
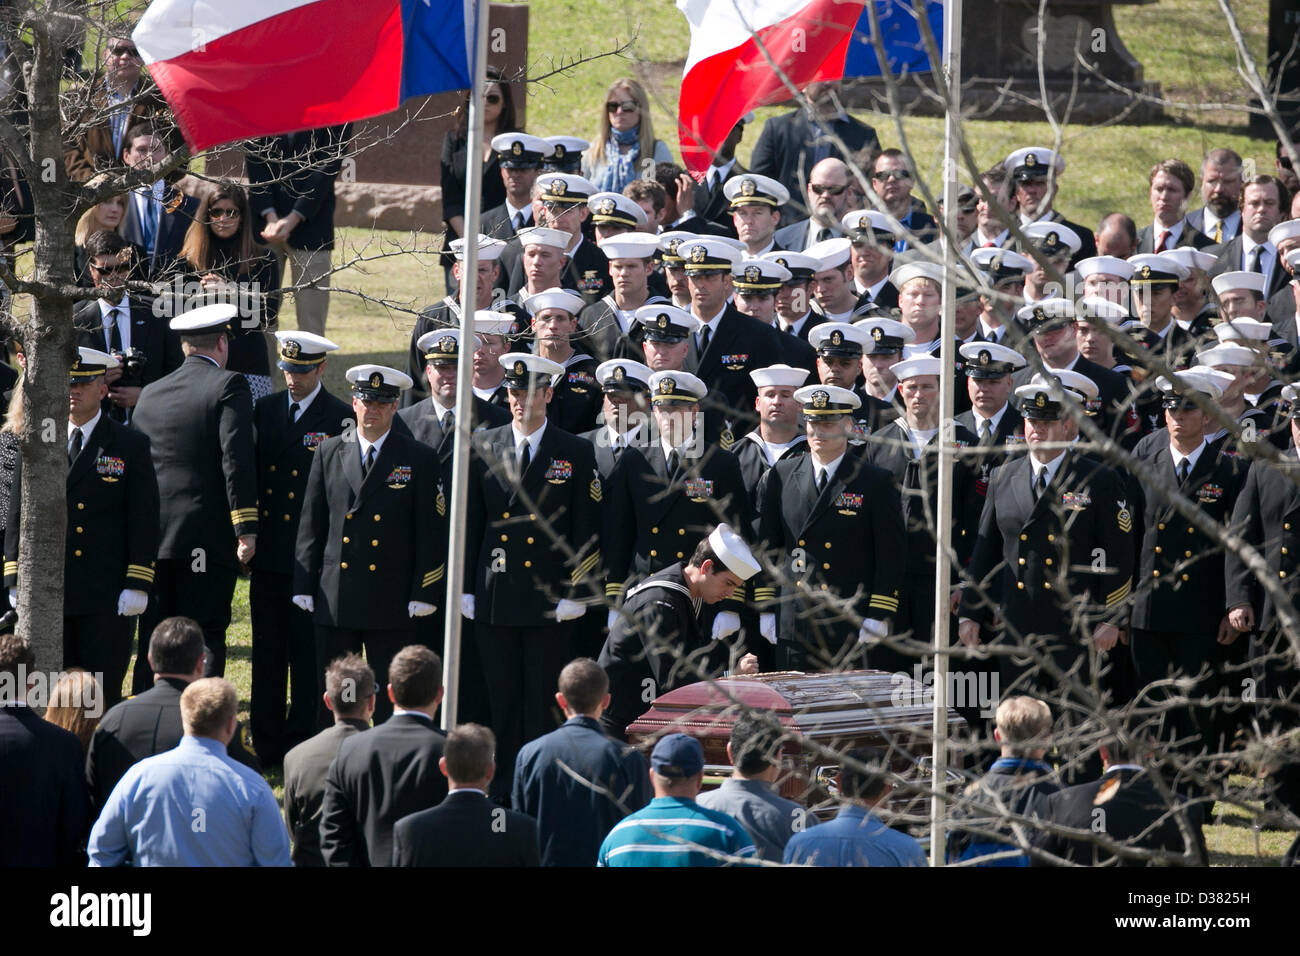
(476, 20)
(948, 356)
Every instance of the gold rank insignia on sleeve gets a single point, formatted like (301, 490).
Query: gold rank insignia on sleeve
(595, 489)
(1124, 519)
(440, 503)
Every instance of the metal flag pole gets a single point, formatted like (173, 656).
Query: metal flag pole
(948, 340)
(476, 18)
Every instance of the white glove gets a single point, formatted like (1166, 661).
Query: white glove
(611, 619)
(871, 628)
(131, 602)
(767, 626)
(306, 602)
(725, 624)
(13, 597)
(467, 606)
(568, 610)
(420, 609)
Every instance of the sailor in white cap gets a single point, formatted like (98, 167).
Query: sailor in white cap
(673, 492)
(920, 287)
(756, 203)
(609, 325)
(1025, 548)
(446, 312)
(1193, 310)
(991, 418)
(835, 526)
(371, 546)
(1004, 270)
(905, 448)
(112, 529)
(1180, 615)
(290, 426)
(1035, 172)
(497, 331)
(576, 399)
(657, 642)
(793, 304)
(779, 432)
(208, 499)
(560, 204)
(832, 283)
(1249, 373)
(532, 553)
(1105, 276)
(873, 235)
(1282, 306)
(543, 260)
(1095, 314)
(433, 421)
(1240, 295)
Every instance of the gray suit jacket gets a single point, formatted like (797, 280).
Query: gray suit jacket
(305, 767)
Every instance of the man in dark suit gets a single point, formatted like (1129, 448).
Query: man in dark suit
(1263, 206)
(1035, 172)
(350, 697)
(199, 422)
(1220, 218)
(576, 782)
(157, 215)
(892, 177)
(791, 145)
(291, 187)
(836, 521)
(1132, 814)
(112, 539)
(123, 324)
(466, 829)
(828, 195)
(44, 817)
(1171, 182)
(150, 723)
(290, 427)
(371, 550)
(532, 553)
(387, 773)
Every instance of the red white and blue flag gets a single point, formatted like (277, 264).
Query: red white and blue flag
(234, 69)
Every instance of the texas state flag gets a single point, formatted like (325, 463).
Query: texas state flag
(234, 69)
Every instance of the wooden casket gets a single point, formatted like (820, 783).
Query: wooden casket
(827, 714)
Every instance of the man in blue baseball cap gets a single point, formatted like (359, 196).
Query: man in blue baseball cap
(674, 830)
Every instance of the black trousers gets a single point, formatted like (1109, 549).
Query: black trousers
(380, 647)
(284, 658)
(1164, 655)
(1277, 679)
(522, 668)
(205, 596)
(473, 707)
(101, 644)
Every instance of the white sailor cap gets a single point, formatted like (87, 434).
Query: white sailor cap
(830, 253)
(565, 153)
(555, 298)
(1104, 266)
(487, 322)
(489, 249)
(1187, 380)
(1189, 258)
(1243, 329)
(1221, 355)
(630, 245)
(920, 365)
(916, 270)
(1232, 281)
(733, 552)
(780, 376)
(1097, 309)
(543, 236)
(1284, 231)
(670, 244)
(1222, 379)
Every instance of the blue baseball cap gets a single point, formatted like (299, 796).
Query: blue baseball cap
(677, 755)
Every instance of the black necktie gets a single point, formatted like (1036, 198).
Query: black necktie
(293, 412)
(519, 221)
(821, 481)
(986, 431)
(823, 234)
(1252, 261)
(1184, 467)
(75, 448)
(449, 423)
(525, 457)
(112, 337)
(673, 462)
(1040, 484)
(369, 462)
(705, 335)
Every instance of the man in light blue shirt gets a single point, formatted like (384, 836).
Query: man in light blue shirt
(193, 806)
(856, 837)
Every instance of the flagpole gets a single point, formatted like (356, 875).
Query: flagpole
(948, 358)
(477, 20)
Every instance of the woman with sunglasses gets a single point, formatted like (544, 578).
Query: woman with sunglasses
(221, 262)
(498, 117)
(107, 215)
(626, 136)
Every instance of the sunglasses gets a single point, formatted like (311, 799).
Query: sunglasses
(886, 174)
(123, 51)
(119, 268)
(493, 99)
(216, 214)
(1284, 162)
(627, 106)
(817, 190)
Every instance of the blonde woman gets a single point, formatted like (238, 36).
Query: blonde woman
(625, 139)
(76, 704)
(106, 215)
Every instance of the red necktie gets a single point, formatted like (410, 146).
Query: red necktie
(1164, 239)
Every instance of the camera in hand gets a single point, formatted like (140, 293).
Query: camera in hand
(133, 368)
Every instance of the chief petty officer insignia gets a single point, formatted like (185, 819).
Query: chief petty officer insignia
(596, 492)
(440, 502)
(1124, 518)
(559, 151)
(517, 148)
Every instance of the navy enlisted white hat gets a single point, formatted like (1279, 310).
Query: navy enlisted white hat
(440, 346)
(555, 298)
(1121, 269)
(204, 319)
(733, 552)
(826, 401)
(750, 189)
(489, 249)
(1186, 381)
(839, 339)
(778, 376)
(1243, 330)
(300, 351)
(674, 387)
(543, 236)
(1097, 309)
(520, 150)
(759, 276)
(666, 323)
(1226, 354)
(488, 322)
(524, 370)
(1190, 258)
(623, 375)
(920, 365)
(990, 359)
(90, 364)
(616, 209)
(905, 273)
(1232, 281)
(830, 253)
(377, 383)
(630, 245)
(565, 188)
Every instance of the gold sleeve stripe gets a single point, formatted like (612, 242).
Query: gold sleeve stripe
(434, 576)
(883, 602)
(585, 567)
(764, 594)
(614, 589)
(11, 567)
(1119, 594)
